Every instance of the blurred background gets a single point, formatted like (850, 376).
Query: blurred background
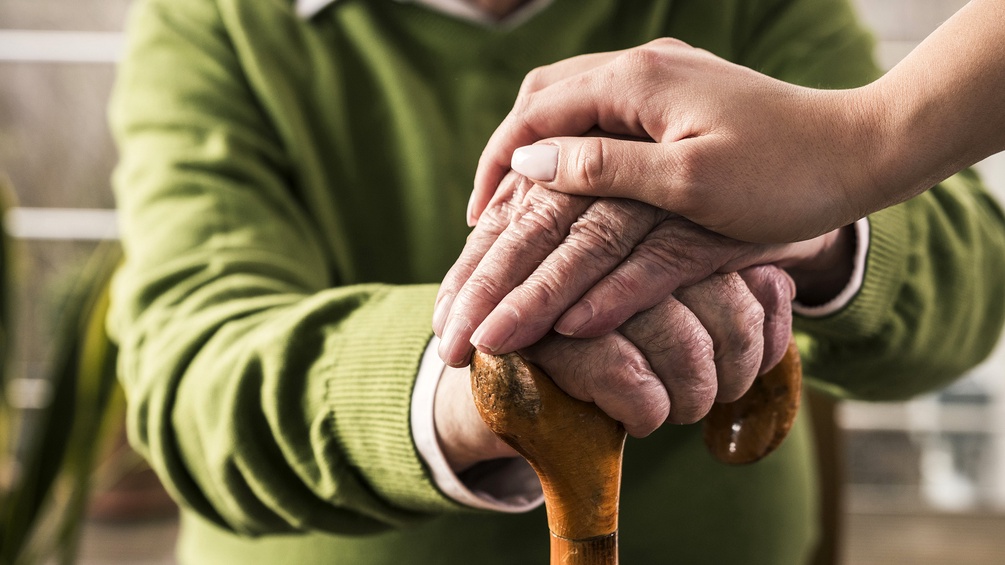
(922, 481)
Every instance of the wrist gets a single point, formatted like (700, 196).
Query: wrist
(867, 150)
(462, 435)
(903, 144)
(823, 275)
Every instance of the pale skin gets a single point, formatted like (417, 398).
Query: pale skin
(800, 163)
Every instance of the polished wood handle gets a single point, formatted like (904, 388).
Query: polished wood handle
(750, 428)
(576, 448)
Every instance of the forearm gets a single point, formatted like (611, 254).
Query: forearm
(941, 109)
(269, 393)
(276, 413)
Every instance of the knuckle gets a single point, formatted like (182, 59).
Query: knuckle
(780, 285)
(648, 415)
(694, 387)
(476, 292)
(542, 289)
(693, 402)
(601, 237)
(644, 61)
(620, 287)
(534, 197)
(666, 42)
(687, 173)
(590, 167)
(541, 220)
(660, 261)
(696, 345)
(748, 327)
(538, 228)
(532, 82)
(522, 113)
(634, 396)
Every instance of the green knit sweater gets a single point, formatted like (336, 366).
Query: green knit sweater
(290, 193)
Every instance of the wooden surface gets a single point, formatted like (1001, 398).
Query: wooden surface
(574, 447)
(752, 427)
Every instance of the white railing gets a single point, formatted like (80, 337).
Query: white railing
(60, 46)
(68, 224)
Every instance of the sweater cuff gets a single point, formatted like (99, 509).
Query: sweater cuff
(369, 392)
(883, 276)
(506, 485)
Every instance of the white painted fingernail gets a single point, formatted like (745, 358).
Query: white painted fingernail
(470, 215)
(536, 162)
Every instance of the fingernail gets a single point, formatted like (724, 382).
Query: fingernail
(453, 349)
(440, 311)
(536, 162)
(494, 332)
(470, 214)
(575, 319)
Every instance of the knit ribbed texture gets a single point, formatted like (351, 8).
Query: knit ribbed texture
(371, 373)
(886, 264)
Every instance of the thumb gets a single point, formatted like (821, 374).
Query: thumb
(601, 166)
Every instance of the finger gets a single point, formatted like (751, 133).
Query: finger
(592, 98)
(674, 254)
(774, 290)
(608, 371)
(569, 107)
(488, 176)
(597, 242)
(547, 75)
(734, 319)
(538, 224)
(478, 243)
(679, 350)
(665, 175)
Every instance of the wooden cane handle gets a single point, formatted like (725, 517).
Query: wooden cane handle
(574, 447)
(750, 428)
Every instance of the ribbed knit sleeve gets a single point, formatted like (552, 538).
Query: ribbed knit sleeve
(270, 394)
(932, 302)
(369, 382)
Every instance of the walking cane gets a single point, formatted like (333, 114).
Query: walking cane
(576, 448)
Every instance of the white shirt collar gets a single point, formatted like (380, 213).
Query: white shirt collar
(460, 9)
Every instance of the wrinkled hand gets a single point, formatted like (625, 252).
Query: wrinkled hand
(735, 151)
(669, 363)
(535, 253)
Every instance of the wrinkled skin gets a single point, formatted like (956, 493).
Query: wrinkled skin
(670, 362)
(538, 256)
(683, 316)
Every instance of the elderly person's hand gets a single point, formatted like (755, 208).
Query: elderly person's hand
(535, 253)
(735, 151)
(668, 363)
